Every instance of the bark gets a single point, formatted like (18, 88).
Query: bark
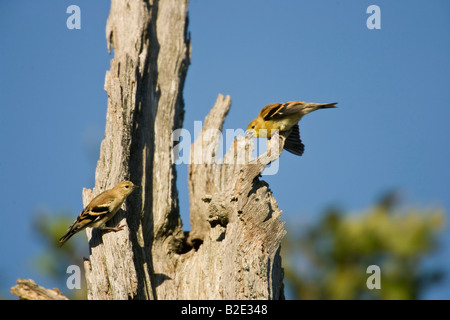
(233, 249)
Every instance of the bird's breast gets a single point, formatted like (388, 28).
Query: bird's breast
(286, 123)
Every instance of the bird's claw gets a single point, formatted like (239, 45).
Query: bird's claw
(118, 227)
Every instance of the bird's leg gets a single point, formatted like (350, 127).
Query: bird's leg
(115, 229)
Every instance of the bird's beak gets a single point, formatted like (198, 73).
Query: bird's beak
(136, 187)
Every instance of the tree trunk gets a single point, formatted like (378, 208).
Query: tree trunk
(144, 86)
(233, 249)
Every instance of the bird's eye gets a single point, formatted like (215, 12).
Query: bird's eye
(127, 187)
(253, 127)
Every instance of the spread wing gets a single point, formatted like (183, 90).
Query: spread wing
(293, 142)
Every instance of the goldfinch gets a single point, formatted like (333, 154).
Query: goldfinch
(101, 209)
(284, 117)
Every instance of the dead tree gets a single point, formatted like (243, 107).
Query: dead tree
(233, 249)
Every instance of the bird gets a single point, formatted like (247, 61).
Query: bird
(284, 117)
(100, 210)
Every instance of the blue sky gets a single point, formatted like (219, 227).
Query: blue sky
(390, 131)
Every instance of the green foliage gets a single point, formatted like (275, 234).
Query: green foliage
(327, 261)
(53, 262)
(335, 253)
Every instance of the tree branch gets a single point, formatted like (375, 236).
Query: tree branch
(29, 290)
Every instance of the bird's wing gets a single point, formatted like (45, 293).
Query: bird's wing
(93, 212)
(98, 207)
(268, 111)
(280, 110)
(293, 142)
(101, 203)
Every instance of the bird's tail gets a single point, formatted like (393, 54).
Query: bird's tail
(327, 105)
(67, 236)
(64, 238)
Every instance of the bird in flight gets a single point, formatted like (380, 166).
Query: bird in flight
(284, 117)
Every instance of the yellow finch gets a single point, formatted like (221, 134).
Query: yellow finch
(284, 117)
(101, 209)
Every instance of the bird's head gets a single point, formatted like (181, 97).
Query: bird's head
(126, 187)
(253, 129)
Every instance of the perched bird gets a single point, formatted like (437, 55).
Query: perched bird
(284, 117)
(102, 208)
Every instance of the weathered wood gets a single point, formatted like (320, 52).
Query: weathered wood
(144, 86)
(233, 249)
(237, 219)
(27, 289)
(202, 168)
(236, 228)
